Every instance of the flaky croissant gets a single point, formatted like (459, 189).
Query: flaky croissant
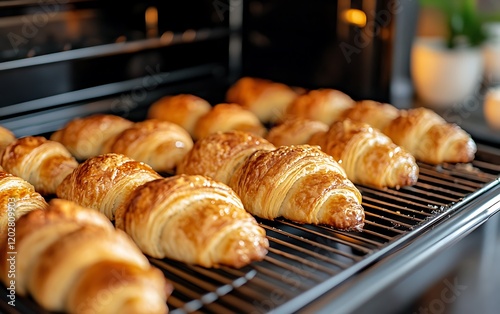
(429, 138)
(183, 109)
(296, 131)
(6, 137)
(122, 189)
(160, 144)
(376, 114)
(220, 154)
(41, 162)
(420, 131)
(266, 99)
(300, 183)
(367, 156)
(105, 182)
(84, 137)
(17, 197)
(193, 219)
(68, 257)
(228, 117)
(325, 105)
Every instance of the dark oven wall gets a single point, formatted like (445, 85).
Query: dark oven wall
(346, 45)
(61, 59)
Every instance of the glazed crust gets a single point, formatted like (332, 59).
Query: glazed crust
(220, 154)
(160, 144)
(295, 131)
(105, 182)
(368, 156)
(300, 183)
(429, 138)
(325, 105)
(57, 246)
(41, 162)
(228, 117)
(268, 100)
(161, 214)
(84, 137)
(183, 109)
(123, 281)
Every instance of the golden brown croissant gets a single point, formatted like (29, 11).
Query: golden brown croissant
(184, 110)
(193, 219)
(325, 105)
(367, 156)
(429, 138)
(105, 182)
(6, 137)
(41, 162)
(266, 99)
(376, 114)
(228, 117)
(296, 131)
(17, 197)
(160, 144)
(300, 183)
(56, 248)
(220, 154)
(84, 137)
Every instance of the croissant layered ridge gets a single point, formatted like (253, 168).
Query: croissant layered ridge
(431, 139)
(300, 183)
(17, 197)
(105, 182)
(160, 144)
(69, 256)
(84, 137)
(41, 162)
(367, 155)
(193, 219)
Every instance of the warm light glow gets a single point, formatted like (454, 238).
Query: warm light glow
(151, 17)
(355, 17)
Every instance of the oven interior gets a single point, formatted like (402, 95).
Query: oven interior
(64, 59)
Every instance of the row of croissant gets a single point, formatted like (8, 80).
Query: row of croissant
(228, 168)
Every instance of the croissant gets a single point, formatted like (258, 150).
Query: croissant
(184, 110)
(325, 105)
(376, 114)
(84, 137)
(367, 156)
(266, 99)
(105, 182)
(17, 197)
(193, 219)
(6, 137)
(220, 154)
(41, 162)
(262, 182)
(160, 144)
(429, 138)
(295, 131)
(227, 117)
(300, 183)
(68, 257)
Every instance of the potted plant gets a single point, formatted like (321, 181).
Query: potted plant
(446, 70)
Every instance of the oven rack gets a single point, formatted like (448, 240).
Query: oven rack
(306, 261)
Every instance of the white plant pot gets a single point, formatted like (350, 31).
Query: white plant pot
(444, 77)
